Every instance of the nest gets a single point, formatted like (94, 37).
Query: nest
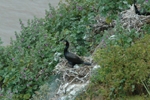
(72, 77)
(128, 20)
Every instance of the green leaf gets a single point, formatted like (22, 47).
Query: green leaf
(129, 40)
(27, 96)
(35, 87)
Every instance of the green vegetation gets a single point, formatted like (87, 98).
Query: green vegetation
(124, 66)
(28, 62)
(124, 70)
(25, 63)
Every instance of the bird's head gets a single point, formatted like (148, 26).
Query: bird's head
(66, 43)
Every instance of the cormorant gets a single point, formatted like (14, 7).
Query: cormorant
(72, 58)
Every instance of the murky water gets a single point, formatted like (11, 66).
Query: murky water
(12, 10)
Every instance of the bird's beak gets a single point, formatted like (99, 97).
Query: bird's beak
(63, 42)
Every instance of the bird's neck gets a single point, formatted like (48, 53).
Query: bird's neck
(66, 49)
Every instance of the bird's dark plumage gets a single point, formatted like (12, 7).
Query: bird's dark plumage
(72, 58)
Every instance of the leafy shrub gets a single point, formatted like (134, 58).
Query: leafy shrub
(144, 5)
(25, 64)
(48, 90)
(123, 70)
(146, 29)
(111, 7)
(71, 21)
(120, 36)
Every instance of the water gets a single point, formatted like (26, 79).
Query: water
(12, 10)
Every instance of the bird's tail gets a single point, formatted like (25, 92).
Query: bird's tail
(86, 63)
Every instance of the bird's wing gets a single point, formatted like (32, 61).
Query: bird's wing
(72, 57)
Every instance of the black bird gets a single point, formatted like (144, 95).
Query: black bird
(72, 58)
